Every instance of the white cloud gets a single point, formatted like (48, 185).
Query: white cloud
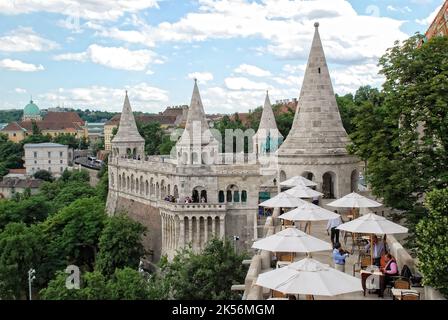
(17, 65)
(286, 26)
(391, 8)
(113, 57)
(252, 71)
(20, 90)
(241, 83)
(405, 9)
(91, 10)
(349, 79)
(143, 97)
(429, 19)
(25, 39)
(202, 77)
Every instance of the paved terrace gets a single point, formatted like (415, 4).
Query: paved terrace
(260, 263)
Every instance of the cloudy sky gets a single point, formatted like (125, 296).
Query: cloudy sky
(83, 54)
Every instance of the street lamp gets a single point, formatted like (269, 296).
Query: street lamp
(235, 239)
(31, 277)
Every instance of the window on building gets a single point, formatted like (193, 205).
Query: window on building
(61, 153)
(49, 154)
(14, 134)
(49, 161)
(61, 169)
(35, 162)
(221, 196)
(35, 154)
(244, 196)
(60, 161)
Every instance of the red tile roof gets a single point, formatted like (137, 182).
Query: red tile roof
(66, 117)
(13, 126)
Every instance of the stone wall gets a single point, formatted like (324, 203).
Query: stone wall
(150, 218)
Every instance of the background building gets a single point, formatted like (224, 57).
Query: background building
(52, 157)
(439, 27)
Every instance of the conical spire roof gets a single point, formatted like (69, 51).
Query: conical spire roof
(317, 128)
(127, 131)
(267, 121)
(196, 127)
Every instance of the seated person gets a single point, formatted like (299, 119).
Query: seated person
(391, 268)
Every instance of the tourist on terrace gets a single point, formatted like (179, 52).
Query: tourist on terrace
(331, 228)
(339, 256)
(391, 268)
(378, 250)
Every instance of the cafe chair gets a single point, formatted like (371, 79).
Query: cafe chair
(364, 262)
(410, 296)
(402, 283)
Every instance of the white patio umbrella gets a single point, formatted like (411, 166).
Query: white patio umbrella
(372, 224)
(309, 277)
(303, 192)
(298, 181)
(282, 200)
(292, 240)
(354, 200)
(309, 212)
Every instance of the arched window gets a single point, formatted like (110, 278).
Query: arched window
(221, 196)
(328, 184)
(229, 196)
(195, 196)
(141, 185)
(185, 158)
(204, 158)
(146, 187)
(128, 184)
(244, 196)
(308, 175)
(194, 158)
(282, 176)
(236, 196)
(203, 196)
(176, 192)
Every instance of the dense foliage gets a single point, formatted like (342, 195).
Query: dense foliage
(402, 133)
(432, 241)
(10, 155)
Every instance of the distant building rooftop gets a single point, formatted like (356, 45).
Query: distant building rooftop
(44, 145)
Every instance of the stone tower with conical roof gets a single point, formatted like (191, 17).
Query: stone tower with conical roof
(197, 145)
(268, 138)
(316, 145)
(128, 142)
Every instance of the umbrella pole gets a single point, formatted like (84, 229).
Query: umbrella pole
(371, 249)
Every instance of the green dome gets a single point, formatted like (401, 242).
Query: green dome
(31, 109)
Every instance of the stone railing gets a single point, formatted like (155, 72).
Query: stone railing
(187, 207)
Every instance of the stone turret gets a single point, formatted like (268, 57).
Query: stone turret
(197, 145)
(268, 138)
(128, 141)
(316, 144)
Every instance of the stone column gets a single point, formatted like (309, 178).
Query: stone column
(181, 242)
(198, 233)
(205, 230)
(163, 232)
(221, 227)
(190, 230)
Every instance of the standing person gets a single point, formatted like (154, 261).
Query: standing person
(378, 250)
(339, 256)
(331, 227)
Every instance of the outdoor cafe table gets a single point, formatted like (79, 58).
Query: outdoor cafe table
(396, 293)
(382, 283)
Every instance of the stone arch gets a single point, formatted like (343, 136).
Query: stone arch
(157, 190)
(137, 185)
(309, 175)
(354, 177)
(146, 187)
(128, 183)
(328, 185)
(233, 193)
(204, 158)
(282, 176)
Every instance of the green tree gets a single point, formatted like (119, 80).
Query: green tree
(128, 284)
(21, 248)
(402, 132)
(167, 145)
(10, 155)
(207, 275)
(73, 235)
(29, 211)
(43, 175)
(153, 134)
(432, 241)
(120, 245)
(68, 140)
